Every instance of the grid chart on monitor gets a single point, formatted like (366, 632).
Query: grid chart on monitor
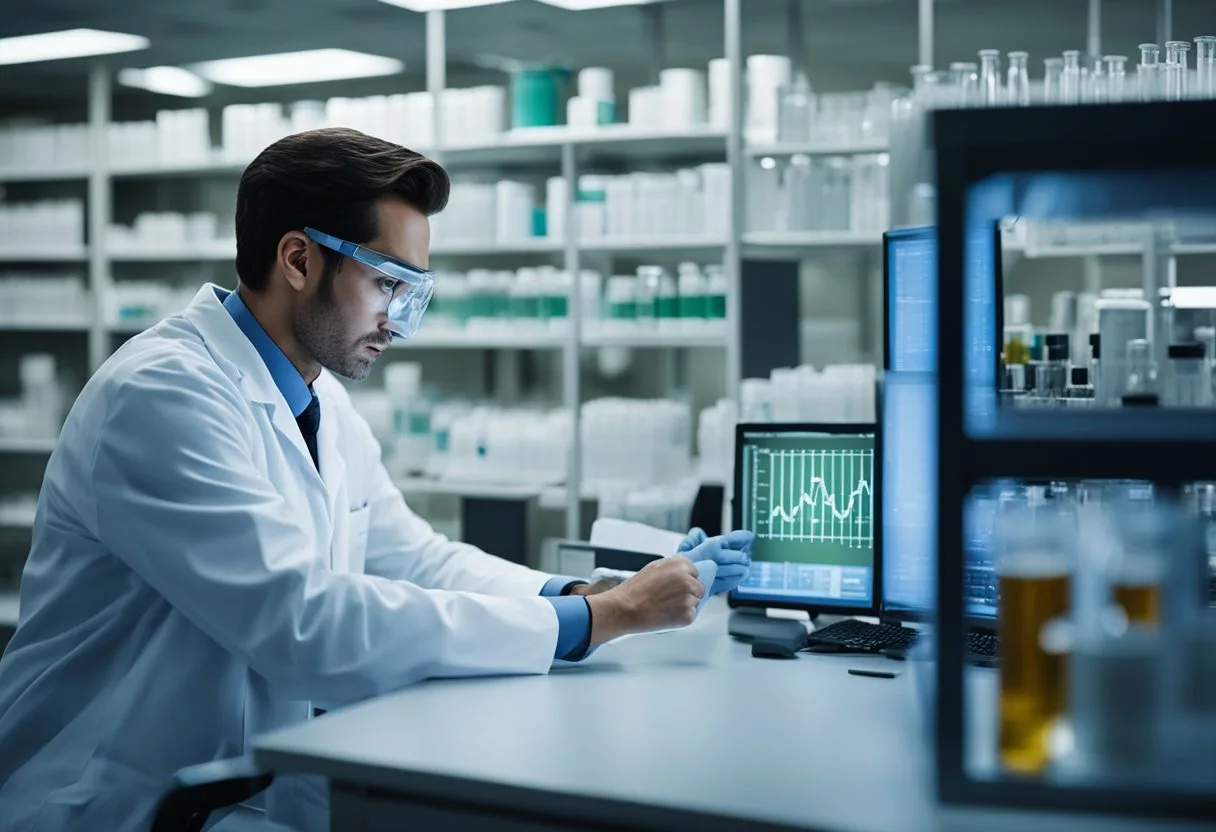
(814, 495)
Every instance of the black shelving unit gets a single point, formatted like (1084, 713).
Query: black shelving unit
(1051, 162)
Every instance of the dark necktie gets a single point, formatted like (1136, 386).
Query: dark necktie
(309, 421)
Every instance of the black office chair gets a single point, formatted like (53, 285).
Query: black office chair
(197, 791)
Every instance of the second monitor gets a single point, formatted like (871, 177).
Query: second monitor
(808, 494)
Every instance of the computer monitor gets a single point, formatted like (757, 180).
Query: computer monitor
(908, 521)
(809, 494)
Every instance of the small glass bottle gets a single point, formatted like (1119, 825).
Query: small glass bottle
(966, 80)
(1176, 69)
(796, 111)
(1053, 69)
(1080, 392)
(1051, 377)
(649, 278)
(1141, 374)
(1017, 90)
(1188, 384)
(1205, 66)
(1070, 78)
(1148, 72)
(1095, 89)
(1116, 77)
(990, 77)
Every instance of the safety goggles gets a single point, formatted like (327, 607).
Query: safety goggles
(407, 297)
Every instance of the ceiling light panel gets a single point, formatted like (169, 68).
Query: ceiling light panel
(440, 5)
(308, 67)
(70, 43)
(166, 80)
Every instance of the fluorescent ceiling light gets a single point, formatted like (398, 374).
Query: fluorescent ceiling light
(166, 80)
(439, 5)
(71, 43)
(580, 5)
(305, 67)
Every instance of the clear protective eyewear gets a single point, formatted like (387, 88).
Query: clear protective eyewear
(408, 298)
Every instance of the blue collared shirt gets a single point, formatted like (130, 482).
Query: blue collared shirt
(573, 611)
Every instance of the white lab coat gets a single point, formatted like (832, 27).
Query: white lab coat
(194, 582)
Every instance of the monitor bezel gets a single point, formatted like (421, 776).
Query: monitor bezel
(736, 509)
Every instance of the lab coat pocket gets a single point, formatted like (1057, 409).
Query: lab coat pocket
(356, 536)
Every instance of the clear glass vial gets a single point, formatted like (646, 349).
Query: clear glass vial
(1148, 72)
(1017, 89)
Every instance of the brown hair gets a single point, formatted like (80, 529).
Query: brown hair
(331, 180)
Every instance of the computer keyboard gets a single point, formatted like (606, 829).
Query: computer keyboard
(856, 636)
(862, 637)
(982, 645)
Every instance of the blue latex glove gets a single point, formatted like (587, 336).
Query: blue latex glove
(732, 553)
(696, 536)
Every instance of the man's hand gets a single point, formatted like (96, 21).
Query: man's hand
(662, 595)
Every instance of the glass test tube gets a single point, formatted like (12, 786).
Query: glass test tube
(1017, 92)
(1176, 69)
(1147, 72)
(1053, 69)
(1205, 65)
(1116, 75)
(1070, 78)
(990, 77)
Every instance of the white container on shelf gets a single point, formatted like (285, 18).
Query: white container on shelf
(556, 194)
(715, 200)
(719, 93)
(646, 108)
(766, 75)
(513, 203)
(683, 95)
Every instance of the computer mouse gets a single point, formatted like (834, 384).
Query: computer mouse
(825, 648)
(774, 650)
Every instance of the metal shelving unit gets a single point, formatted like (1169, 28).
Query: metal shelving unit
(563, 150)
(979, 442)
(43, 254)
(26, 445)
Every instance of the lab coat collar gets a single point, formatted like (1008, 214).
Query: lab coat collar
(287, 378)
(231, 349)
(240, 359)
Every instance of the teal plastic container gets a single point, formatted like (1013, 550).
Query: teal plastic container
(538, 96)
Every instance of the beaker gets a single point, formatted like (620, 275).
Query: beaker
(1053, 68)
(1017, 91)
(1116, 75)
(1070, 78)
(990, 77)
(1176, 69)
(1034, 570)
(1148, 72)
(1205, 66)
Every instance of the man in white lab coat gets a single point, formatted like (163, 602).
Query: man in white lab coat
(218, 550)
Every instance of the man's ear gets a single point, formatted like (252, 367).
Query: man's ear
(292, 259)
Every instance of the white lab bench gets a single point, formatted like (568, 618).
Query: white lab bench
(683, 731)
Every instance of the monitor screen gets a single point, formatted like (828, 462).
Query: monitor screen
(809, 496)
(909, 420)
(911, 263)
